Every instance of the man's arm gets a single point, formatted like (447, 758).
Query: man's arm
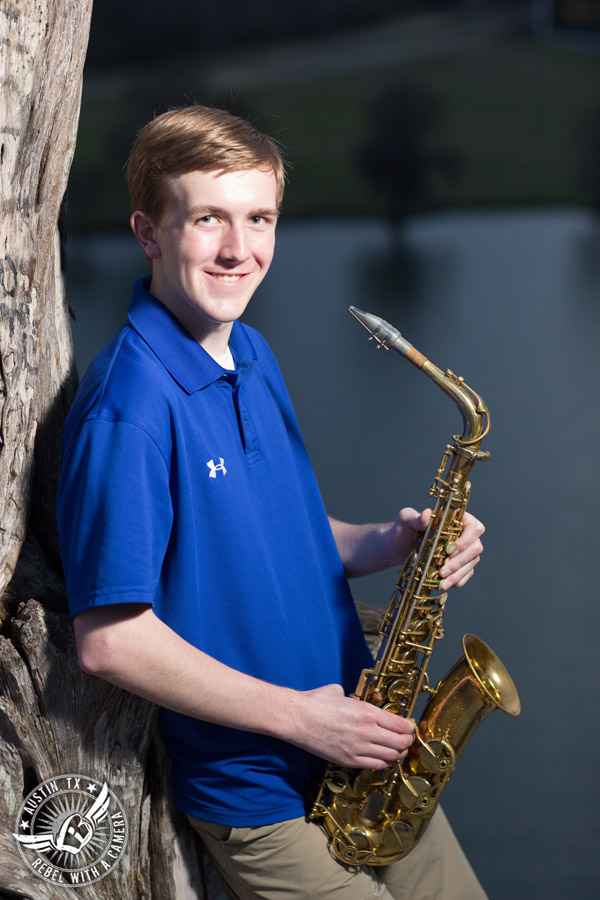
(365, 549)
(129, 646)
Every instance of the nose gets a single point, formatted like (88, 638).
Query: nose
(234, 247)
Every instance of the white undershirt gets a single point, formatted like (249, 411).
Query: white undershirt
(225, 361)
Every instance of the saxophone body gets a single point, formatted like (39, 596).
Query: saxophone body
(376, 817)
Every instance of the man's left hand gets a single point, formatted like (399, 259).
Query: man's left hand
(459, 567)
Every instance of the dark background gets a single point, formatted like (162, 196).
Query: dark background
(467, 104)
(443, 173)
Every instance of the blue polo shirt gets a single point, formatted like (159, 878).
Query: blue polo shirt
(188, 488)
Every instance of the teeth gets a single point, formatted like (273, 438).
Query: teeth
(227, 278)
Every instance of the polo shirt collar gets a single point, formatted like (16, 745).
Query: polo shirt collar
(183, 357)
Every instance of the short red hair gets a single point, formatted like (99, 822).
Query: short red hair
(195, 139)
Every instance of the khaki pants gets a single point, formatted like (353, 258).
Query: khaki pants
(291, 861)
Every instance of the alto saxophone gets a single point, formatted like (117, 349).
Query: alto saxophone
(376, 817)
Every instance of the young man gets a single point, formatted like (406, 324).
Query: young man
(202, 570)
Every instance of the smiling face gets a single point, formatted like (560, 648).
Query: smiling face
(212, 248)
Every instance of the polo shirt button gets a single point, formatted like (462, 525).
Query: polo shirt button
(245, 421)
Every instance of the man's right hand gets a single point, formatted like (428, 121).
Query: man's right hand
(347, 731)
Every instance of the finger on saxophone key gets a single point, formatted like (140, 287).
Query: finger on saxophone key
(401, 733)
(463, 556)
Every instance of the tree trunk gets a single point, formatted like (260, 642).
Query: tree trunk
(54, 720)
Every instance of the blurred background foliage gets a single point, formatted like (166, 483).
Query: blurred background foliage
(382, 107)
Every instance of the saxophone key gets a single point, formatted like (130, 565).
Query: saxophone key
(398, 690)
(437, 757)
(337, 782)
(414, 793)
(398, 837)
(352, 848)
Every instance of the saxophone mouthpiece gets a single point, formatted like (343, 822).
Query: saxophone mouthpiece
(370, 322)
(387, 337)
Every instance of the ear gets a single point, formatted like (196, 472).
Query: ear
(146, 234)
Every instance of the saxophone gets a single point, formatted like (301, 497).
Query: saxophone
(376, 817)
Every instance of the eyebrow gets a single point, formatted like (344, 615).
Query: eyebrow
(265, 212)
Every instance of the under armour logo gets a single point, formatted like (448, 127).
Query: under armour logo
(214, 467)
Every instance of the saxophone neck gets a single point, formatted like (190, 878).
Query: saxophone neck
(474, 412)
(472, 407)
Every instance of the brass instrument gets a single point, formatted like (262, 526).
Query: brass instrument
(376, 817)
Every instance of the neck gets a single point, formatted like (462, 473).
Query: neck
(212, 336)
(214, 342)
